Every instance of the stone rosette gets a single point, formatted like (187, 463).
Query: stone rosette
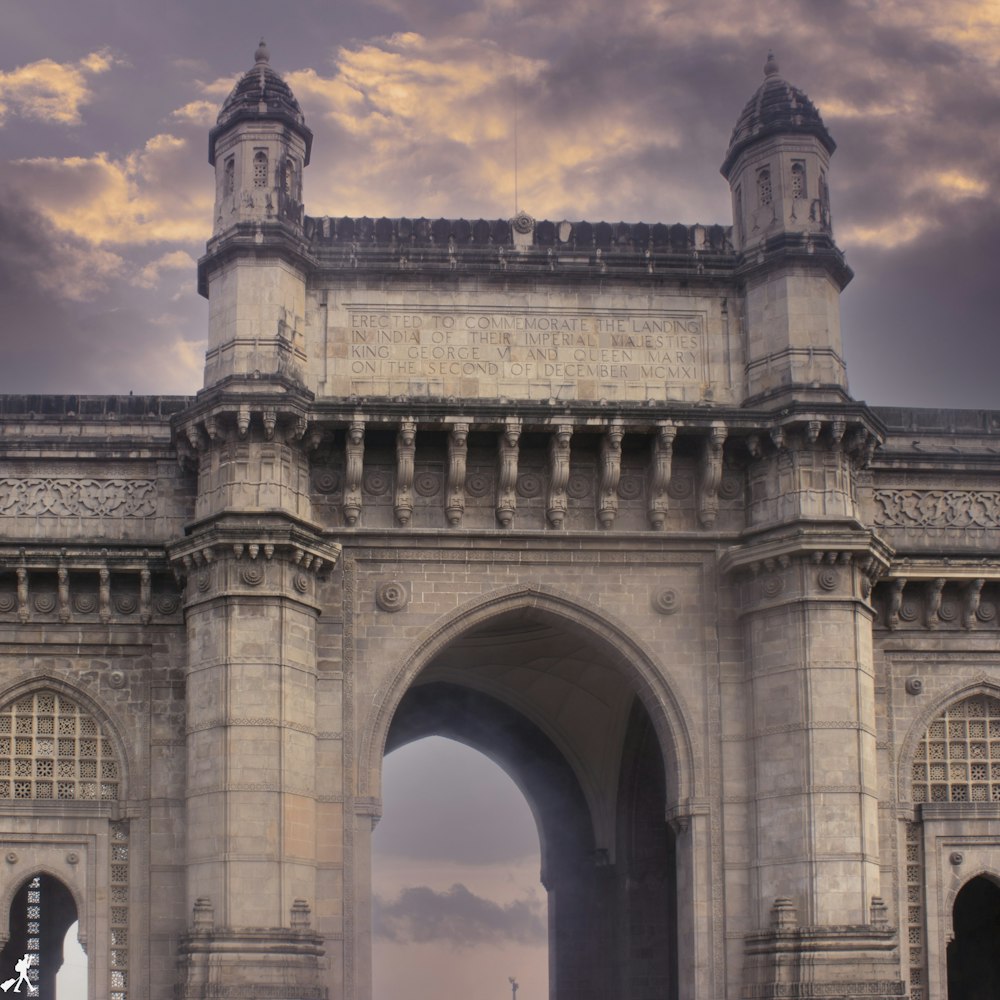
(666, 601)
(392, 596)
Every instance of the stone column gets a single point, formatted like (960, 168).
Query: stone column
(805, 572)
(251, 602)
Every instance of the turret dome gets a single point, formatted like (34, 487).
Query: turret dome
(776, 108)
(260, 94)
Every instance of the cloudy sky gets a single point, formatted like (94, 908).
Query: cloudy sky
(625, 110)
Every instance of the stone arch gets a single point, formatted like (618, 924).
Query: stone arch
(973, 958)
(919, 727)
(40, 933)
(10, 889)
(48, 682)
(952, 893)
(669, 717)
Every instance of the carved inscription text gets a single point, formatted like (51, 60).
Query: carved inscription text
(504, 352)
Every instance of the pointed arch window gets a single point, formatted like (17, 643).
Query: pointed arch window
(958, 760)
(50, 748)
(260, 168)
(291, 184)
(798, 179)
(764, 194)
(229, 178)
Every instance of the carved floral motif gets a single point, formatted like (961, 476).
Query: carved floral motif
(78, 497)
(938, 508)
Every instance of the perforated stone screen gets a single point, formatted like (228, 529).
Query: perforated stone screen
(958, 760)
(51, 749)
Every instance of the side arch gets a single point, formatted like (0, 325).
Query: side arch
(669, 716)
(10, 890)
(48, 682)
(920, 725)
(952, 894)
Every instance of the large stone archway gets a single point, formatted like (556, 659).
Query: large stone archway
(552, 704)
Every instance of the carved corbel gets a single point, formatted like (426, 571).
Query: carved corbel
(559, 452)
(970, 602)
(754, 445)
(895, 601)
(270, 421)
(406, 449)
(458, 448)
(298, 428)
(813, 428)
(243, 419)
(195, 438)
(611, 471)
(934, 588)
(354, 466)
(62, 576)
(710, 475)
(104, 595)
(660, 469)
(145, 597)
(778, 437)
(22, 595)
(507, 477)
(212, 427)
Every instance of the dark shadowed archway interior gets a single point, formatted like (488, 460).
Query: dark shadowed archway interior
(974, 953)
(42, 911)
(549, 703)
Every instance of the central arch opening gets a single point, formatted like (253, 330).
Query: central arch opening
(562, 712)
(457, 905)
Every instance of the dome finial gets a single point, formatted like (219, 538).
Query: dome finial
(771, 66)
(261, 55)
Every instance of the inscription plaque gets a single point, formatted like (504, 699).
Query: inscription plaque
(519, 354)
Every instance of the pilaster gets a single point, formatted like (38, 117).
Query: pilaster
(805, 572)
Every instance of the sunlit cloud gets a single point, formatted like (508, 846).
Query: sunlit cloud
(175, 260)
(458, 917)
(197, 113)
(52, 92)
(889, 235)
(151, 195)
(954, 184)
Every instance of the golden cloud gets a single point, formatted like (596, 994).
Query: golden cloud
(175, 260)
(156, 194)
(52, 92)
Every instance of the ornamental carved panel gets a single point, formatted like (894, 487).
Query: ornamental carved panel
(78, 497)
(937, 508)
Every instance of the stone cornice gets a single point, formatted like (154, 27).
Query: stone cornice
(815, 540)
(810, 251)
(254, 539)
(259, 241)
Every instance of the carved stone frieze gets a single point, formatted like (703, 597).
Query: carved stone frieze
(111, 498)
(937, 508)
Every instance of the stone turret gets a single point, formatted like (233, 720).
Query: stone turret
(254, 269)
(259, 147)
(777, 166)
